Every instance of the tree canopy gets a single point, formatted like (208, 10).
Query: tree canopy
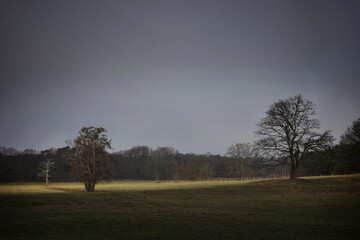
(352, 134)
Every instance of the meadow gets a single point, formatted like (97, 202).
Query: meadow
(310, 208)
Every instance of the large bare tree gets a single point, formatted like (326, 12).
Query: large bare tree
(287, 134)
(89, 156)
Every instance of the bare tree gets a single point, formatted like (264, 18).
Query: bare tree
(138, 151)
(29, 151)
(241, 152)
(286, 135)
(89, 156)
(352, 134)
(8, 151)
(45, 170)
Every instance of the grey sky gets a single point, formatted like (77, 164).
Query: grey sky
(193, 75)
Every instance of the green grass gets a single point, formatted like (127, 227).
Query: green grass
(310, 208)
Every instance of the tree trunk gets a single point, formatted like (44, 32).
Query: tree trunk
(241, 169)
(293, 173)
(92, 186)
(89, 185)
(156, 174)
(47, 178)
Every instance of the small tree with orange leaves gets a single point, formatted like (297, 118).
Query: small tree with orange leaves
(89, 156)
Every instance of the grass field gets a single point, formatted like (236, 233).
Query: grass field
(316, 208)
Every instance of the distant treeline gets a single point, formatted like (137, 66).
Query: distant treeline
(165, 163)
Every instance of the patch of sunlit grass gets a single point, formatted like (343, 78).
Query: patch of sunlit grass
(23, 188)
(56, 187)
(150, 185)
(333, 176)
(37, 188)
(33, 188)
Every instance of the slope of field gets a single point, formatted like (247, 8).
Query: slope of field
(323, 208)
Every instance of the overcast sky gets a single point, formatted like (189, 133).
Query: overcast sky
(193, 75)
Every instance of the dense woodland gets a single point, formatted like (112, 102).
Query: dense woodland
(165, 163)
